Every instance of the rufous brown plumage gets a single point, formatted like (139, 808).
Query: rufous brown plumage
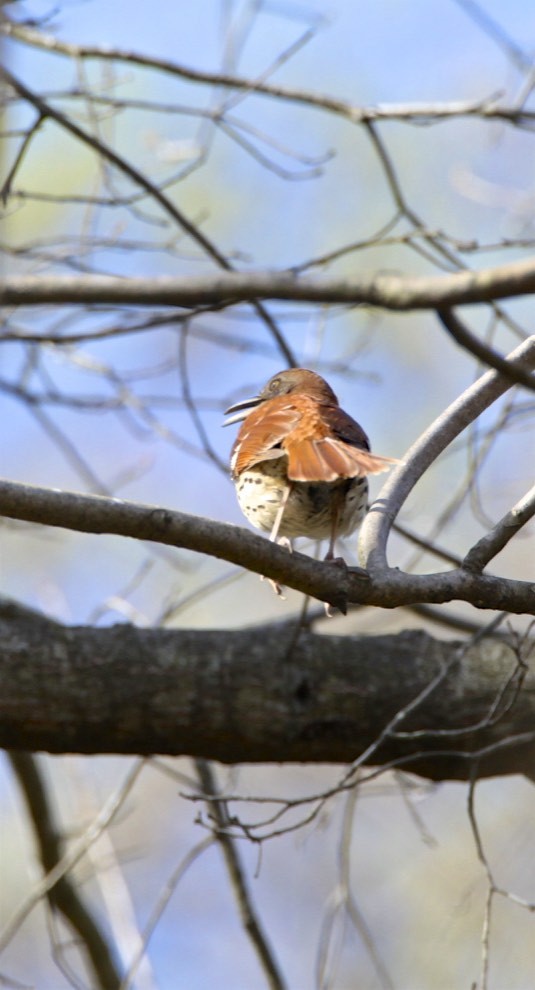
(299, 462)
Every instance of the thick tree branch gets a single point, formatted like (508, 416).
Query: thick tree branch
(257, 695)
(396, 292)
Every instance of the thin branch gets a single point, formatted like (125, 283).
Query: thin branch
(489, 545)
(64, 895)
(28, 137)
(251, 922)
(59, 867)
(440, 253)
(426, 544)
(343, 902)
(520, 58)
(46, 110)
(486, 354)
(170, 886)
(487, 108)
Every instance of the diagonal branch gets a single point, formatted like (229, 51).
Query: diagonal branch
(378, 523)
(46, 110)
(489, 545)
(487, 109)
(64, 895)
(462, 335)
(251, 921)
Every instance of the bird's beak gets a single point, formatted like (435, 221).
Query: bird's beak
(241, 410)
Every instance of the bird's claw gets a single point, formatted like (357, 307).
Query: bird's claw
(276, 587)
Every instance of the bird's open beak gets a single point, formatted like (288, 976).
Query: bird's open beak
(241, 410)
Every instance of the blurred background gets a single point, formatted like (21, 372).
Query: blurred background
(130, 401)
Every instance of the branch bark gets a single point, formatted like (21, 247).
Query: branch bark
(387, 587)
(259, 696)
(395, 292)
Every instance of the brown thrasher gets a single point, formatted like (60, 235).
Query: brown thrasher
(299, 462)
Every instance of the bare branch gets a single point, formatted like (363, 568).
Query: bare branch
(395, 292)
(46, 110)
(74, 853)
(465, 409)
(489, 545)
(487, 108)
(462, 335)
(387, 588)
(251, 921)
(235, 697)
(64, 895)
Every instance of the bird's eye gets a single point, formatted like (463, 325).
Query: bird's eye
(274, 384)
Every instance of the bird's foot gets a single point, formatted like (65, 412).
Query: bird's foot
(338, 562)
(282, 541)
(276, 587)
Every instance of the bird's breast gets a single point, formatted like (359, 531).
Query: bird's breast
(311, 506)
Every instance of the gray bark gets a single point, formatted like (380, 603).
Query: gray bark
(257, 696)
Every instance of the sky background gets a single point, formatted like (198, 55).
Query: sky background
(421, 889)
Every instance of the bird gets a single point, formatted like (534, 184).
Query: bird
(300, 462)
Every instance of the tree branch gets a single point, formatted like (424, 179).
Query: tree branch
(395, 292)
(460, 333)
(257, 695)
(463, 411)
(46, 110)
(64, 895)
(488, 109)
(321, 580)
(489, 545)
(253, 927)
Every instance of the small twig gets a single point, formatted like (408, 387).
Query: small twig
(6, 188)
(107, 154)
(451, 322)
(154, 917)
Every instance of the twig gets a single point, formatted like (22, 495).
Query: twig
(46, 110)
(462, 335)
(251, 922)
(489, 545)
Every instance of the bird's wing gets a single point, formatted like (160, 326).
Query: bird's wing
(333, 446)
(262, 433)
